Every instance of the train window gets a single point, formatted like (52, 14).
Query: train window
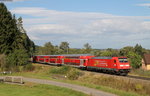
(84, 61)
(123, 60)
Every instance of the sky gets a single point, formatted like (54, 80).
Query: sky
(101, 23)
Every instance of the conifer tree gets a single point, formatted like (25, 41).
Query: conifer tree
(14, 42)
(12, 33)
(9, 34)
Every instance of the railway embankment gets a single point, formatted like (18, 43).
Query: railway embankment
(119, 85)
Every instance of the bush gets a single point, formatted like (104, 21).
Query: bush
(60, 70)
(135, 60)
(29, 67)
(3, 62)
(16, 59)
(71, 73)
(74, 74)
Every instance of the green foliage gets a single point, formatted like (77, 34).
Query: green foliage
(29, 67)
(3, 61)
(71, 73)
(14, 42)
(87, 48)
(32, 89)
(138, 49)
(16, 59)
(135, 59)
(65, 47)
(47, 49)
(60, 70)
(9, 34)
(125, 50)
(134, 54)
(106, 53)
(12, 34)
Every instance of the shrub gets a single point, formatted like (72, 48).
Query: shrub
(70, 72)
(74, 74)
(2, 62)
(60, 70)
(29, 67)
(16, 59)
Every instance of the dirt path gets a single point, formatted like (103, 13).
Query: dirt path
(86, 90)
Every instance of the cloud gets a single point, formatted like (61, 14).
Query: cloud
(144, 4)
(101, 30)
(18, 0)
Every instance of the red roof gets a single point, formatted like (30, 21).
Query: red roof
(146, 58)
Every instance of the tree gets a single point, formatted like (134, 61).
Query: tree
(3, 63)
(9, 34)
(48, 49)
(139, 50)
(12, 34)
(87, 48)
(20, 25)
(125, 50)
(65, 47)
(135, 59)
(25, 41)
(106, 53)
(16, 59)
(12, 38)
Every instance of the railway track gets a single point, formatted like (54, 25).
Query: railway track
(138, 77)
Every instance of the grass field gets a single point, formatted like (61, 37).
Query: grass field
(120, 87)
(32, 89)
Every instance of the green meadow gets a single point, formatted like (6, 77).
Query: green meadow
(32, 89)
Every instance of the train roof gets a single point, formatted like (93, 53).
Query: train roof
(68, 55)
(101, 58)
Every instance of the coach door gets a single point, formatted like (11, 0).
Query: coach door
(62, 61)
(81, 62)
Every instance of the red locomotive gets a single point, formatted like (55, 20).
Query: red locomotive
(116, 65)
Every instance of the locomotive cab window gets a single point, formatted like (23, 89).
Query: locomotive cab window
(123, 60)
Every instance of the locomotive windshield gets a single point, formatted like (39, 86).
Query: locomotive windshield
(123, 60)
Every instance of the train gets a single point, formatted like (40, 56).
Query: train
(113, 65)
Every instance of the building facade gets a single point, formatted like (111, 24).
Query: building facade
(146, 62)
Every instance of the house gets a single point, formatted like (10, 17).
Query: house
(146, 62)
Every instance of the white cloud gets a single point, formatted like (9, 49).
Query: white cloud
(144, 4)
(18, 0)
(99, 29)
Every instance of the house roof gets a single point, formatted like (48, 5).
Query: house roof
(146, 58)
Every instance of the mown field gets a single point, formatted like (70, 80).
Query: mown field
(32, 89)
(101, 82)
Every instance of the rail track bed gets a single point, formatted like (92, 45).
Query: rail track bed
(139, 77)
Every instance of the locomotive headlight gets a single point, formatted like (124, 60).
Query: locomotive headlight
(127, 65)
(121, 65)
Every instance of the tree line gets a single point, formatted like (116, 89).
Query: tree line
(15, 45)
